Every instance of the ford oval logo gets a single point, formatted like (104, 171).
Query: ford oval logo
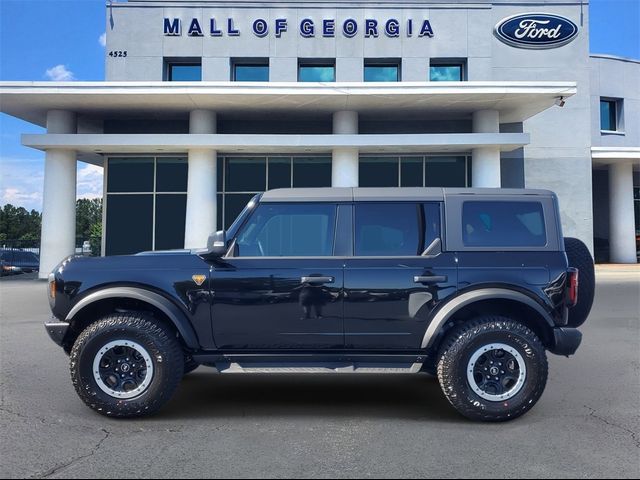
(536, 30)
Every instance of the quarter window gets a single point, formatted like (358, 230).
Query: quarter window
(288, 230)
(503, 224)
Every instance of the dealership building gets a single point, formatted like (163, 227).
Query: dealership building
(207, 103)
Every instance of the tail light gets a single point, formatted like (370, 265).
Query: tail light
(572, 287)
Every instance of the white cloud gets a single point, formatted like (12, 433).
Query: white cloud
(102, 39)
(17, 197)
(59, 73)
(89, 183)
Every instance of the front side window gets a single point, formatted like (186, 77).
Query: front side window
(609, 115)
(503, 224)
(288, 230)
(388, 229)
(315, 71)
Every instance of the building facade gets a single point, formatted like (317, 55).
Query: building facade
(208, 102)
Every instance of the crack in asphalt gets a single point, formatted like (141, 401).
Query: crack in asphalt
(58, 468)
(25, 417)
(634, 435)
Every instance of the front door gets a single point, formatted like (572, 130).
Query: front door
(391, 283)
(282, 287)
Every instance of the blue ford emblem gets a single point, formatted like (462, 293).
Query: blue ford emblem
(536, 30)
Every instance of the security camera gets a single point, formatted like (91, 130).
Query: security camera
(560, 101)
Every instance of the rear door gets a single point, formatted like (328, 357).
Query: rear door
(391, 284)
(282, 287)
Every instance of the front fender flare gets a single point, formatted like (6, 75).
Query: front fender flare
(166, 306)
(467, 298)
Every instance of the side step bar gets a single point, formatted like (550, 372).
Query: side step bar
(315, 368)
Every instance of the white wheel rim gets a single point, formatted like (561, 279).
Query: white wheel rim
(520, 376)
(141, 386)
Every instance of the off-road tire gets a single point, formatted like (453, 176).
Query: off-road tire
(166, 354)
(457, 350)
(579, 257)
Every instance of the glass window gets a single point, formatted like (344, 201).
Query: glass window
(378, 172)
(411, 172)
(316, 72)
(171, 175)
(288, 230)
(389, 229)
(246, 174)
(130, 175)
(381, 73)
(503, 224)
(445, 172)
(279, 173)
(234, 203)
(311, 172)
(184, 72)
(171, 212)
(446, 73)
(608, 115)
(250, 73)
(431, 219)
(129, 224)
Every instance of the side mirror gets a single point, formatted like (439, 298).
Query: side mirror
(217, 243)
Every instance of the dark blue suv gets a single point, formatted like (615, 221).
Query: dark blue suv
(472, 285)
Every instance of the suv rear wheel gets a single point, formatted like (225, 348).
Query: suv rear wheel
(126, 365)
(492, 369)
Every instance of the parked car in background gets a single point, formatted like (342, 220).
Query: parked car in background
(16, 261)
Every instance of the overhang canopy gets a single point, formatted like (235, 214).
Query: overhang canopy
(515, 101)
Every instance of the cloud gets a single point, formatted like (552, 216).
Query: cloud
(59, 73)
(89, 182)
(102, 39)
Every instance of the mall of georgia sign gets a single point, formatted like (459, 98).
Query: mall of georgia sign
(536, 30)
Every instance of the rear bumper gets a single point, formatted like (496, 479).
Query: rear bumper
(57, 331)
(566, 341)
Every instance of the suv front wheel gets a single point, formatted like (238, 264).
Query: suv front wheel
(492, 369)
(126, 365)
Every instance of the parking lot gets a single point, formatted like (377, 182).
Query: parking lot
(587, 423)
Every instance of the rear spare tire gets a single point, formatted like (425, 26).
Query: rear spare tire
(579, 257)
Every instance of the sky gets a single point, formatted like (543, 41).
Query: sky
(63, 40)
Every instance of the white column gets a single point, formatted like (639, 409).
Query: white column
(485, 161)
(58, 233)
(344, 162)
(622, 232)
(200, 219)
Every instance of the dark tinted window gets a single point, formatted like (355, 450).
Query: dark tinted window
(233, 205)
(171, 175)
(445, 172)
(608, 115)
(431, 219)
(293, 230)
(129, 223)
(279, 173)
(378, 171)
(411, 172)
(503, 224)
(390, 229)
(246, 174)
(311, 172)
(170, 217)
(130, 175)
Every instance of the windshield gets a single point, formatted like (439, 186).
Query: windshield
(233, 229)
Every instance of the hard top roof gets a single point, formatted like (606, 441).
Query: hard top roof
(363, 194)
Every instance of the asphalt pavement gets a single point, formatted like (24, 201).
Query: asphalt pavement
(586, 425)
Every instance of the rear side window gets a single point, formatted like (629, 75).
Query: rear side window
(395, 229)
(288, 230)
(503, 224)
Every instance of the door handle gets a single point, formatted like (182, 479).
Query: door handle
(430, 278)
(317, 279)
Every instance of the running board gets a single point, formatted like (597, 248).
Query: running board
(328, 368)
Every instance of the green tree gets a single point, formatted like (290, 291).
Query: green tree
(16, 223)
(88, 218)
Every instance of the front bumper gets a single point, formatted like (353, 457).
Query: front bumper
(566, 341)
(57, 331)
